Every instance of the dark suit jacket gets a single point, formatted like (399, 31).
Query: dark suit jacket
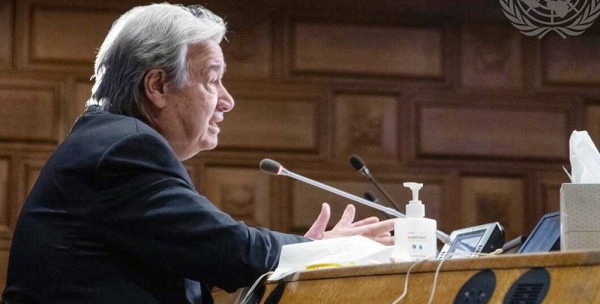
(114, 218)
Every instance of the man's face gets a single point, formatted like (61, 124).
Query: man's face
(194, 111)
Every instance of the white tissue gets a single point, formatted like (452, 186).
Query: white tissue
(347, 251)
(585, 159)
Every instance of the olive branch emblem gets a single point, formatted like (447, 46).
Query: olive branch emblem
(523, 22)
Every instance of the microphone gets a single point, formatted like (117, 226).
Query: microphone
(357, 163)
(274, 168)
(370, 197)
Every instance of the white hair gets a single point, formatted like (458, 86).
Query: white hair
(144, 38)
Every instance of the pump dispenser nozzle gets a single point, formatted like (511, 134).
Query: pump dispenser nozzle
(415, 208)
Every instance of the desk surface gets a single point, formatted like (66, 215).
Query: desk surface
(575, 277)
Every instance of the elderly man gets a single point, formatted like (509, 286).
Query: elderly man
(114, 216)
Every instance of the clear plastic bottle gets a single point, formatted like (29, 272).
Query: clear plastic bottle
(416, 233)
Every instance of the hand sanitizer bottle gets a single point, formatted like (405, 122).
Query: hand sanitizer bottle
(415, 233)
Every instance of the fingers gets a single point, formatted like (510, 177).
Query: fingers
(377, 229)
(367, 221)
(386, 240)
(317, 230)
(347, 218)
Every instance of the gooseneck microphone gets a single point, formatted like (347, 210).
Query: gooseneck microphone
(370, 197)
(357, 163)
(274, 168)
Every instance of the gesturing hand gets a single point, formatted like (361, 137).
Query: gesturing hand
(370, 227)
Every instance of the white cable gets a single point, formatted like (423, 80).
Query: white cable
(254, 286)
(437, 272)
(406, 280)
(435, 277)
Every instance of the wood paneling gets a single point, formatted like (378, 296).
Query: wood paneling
(272, 121)
(548, 191)
(5, 202)
(496, 127)
(367, 50)
(29, 113)
(572, 279)
(491, 56)
(242, 193)
(28, 172)
(493, 199)
(576, 61)
(6, 33)
(248, 51)
(366, 125)
(62, 37)
(83, 92)
(592, 122)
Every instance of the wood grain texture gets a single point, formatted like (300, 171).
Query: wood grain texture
(248, 51)
(491, 56)
(493, 199)
(243, 193)
(29, 113)
(6, 29)
(367, 50)
(592, 121)
(59, 34)
(510, 127)
(573, 279)
(5, 202)
(366, 125)
(576, 62)
(275, 118)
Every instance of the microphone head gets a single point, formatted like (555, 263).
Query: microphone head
(370, 197)
(270, 166)
(356, 162)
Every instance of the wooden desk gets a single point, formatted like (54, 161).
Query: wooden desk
(574, 278)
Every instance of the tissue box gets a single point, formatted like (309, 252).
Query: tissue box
(579, 217)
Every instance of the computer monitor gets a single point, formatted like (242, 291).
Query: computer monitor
(545, 236)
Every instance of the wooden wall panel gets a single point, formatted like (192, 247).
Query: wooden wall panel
(575, 62)
(491, 56)
(3, 266)
(29, 113)
(366, 125)
(592, 122)
(248, 51)
(6, 22)
(62, 37)
(493, 128)
(28, 173)
(493, 199)
(367, 50)
(242, 193)
(83, 92)
(5, 202)
(272, 121)
(548, 191)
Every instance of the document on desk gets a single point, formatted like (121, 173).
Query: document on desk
(338, 252)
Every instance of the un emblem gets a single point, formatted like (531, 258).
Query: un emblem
(539, 17)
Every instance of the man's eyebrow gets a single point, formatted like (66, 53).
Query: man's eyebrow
(219, 67)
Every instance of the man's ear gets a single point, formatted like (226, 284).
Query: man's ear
(154, 87)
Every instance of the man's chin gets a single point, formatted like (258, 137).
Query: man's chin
(210, 145)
